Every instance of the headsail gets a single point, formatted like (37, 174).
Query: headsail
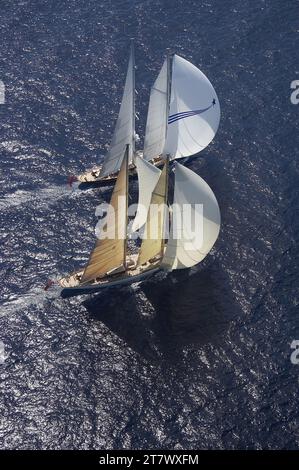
(148, 176)
(153, 242)
(110, 252)
(124, 132)
(190, 189)
(186, 122)
(194, 112)
(156, 122)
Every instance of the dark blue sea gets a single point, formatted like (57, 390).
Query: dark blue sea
(196, 359)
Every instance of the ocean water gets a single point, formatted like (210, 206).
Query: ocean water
(196, 359)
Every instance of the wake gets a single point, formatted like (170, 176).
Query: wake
(48, 195)
(36, 296)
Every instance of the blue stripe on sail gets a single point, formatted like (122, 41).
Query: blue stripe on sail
(185, 114)
(178, 115)
(181, 116)
(181, 113)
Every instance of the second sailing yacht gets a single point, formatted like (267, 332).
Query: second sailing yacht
(183, 118)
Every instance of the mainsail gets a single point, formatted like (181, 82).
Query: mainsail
(154, 233)
(148, 176)
(186, 122)
(110, 252)
(124, 132)
(181, 250)
(156, 123)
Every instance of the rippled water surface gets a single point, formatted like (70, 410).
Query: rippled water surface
(197, 359)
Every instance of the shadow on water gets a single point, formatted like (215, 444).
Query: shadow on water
(167, 315)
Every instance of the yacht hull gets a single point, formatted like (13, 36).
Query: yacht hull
(92, 289)
(93, 178)
(102, 182)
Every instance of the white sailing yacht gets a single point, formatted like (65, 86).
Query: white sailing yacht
(183, 118)
(111, 264)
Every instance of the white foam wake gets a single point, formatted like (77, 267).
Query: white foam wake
(20, 197)
(44, 195)
(36, 296)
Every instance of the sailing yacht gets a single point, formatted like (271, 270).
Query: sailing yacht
(111, 264)
(183, 118)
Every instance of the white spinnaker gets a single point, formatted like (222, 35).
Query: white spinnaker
(155, 131)
(190, 189)
(125, 126)
(194, 113)
(148, 176)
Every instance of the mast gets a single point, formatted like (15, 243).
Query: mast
(126, 206)
(168, 90)
(133, 101)
(165, 204)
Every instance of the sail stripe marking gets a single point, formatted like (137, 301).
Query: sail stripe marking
(185, 114)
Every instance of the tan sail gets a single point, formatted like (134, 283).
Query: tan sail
(153, 242)
(110, 252)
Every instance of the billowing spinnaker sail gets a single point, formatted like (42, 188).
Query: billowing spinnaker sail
(194, 113)
(154, 231)
(189, 244)
(110, 252)
(148, 176)
(155, 131)
(124, 132)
